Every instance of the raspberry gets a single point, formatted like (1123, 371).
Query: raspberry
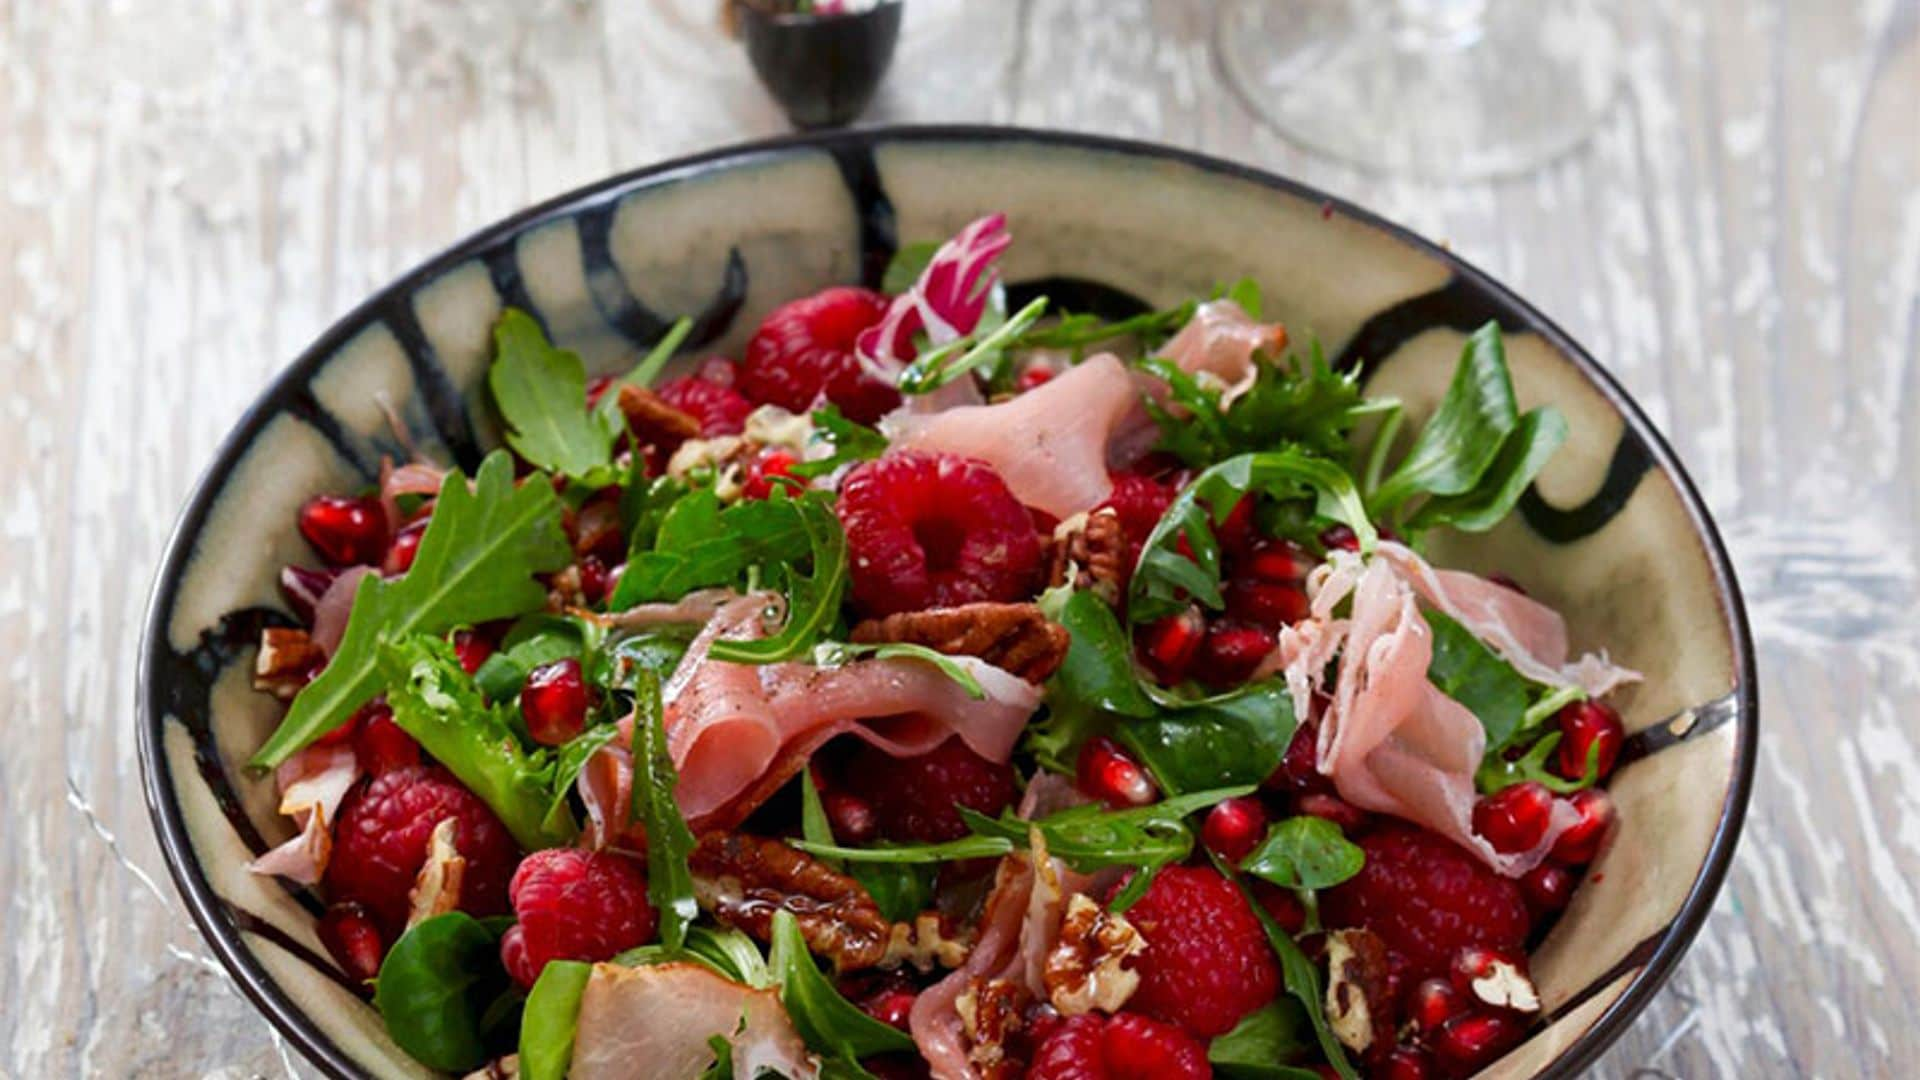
(1126, 1046)
(915, 799)
(720, 409)
(804, 350)
(381, 840)
(1139, 502)
(1207, 961)
(1428, 899)
(575, 905)
(934, 530)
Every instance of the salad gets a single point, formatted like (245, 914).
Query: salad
(942, 688)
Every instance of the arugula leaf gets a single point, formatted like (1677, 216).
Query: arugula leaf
(1523, 453)
(434, 700)
(829, 1023)
(1299, 400)
(900, 890)
(728, 953)
(1077, 331)
(1301, 977)
(476, 563)
(722, 1067)
(669, 841)
(851, 441)
(700, 544)
(1305, 852)
(836, 653)
(541, 392)
(649, 367)
(1496, 772)
(934, 368)
(644, 505)
(967, 847)
(552, 1015)
(908, 263)
(1165, 579)
(535, 640)
(1263, 1041)
(813, 599)
(438, 987)
(1244, 293)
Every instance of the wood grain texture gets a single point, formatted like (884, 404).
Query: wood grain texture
(190, 190)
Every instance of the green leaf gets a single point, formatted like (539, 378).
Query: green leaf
(1464, 434)
(436, 987)
(477, 562)
(644, 506)
(1496, 773)
(542, 395)
(908, 263)
(547, 1025)
(534, 641)
(934, 368)
(722, 1067)
(813, 599)
(829, 1023)
(1523, 453)
(1298, 400)
(669, 841)
(1302, 980)
(1234, 738)
(699, 544)
(851, 441)
(836, 653)
(434, 700)
(967, 847)
(1469, 672)
(1246, 294)
(728, 953)
(1166, 580)
(1080, 330)
(1263, 1042)
(1305, 852)
(649, 367)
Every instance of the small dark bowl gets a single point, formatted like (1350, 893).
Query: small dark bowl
(822, 69)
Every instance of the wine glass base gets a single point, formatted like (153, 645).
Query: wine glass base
(1498, 93)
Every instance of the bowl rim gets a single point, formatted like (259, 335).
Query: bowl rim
(206, 907)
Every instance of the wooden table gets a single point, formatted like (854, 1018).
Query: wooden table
(190, 190)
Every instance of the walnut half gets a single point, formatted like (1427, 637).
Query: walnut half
(744, 879)
(1086, 969)
(992, 1012)
(1089, 551)
(1358, 1008)
(1016, 638)
(287, 657)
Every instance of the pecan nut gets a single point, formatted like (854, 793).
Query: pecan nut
(992, 1011)
(743, 880)
(1016, 638)
(1089, 551)
(1086, 969)
(1358, 1008)
(436, 888)
(655, 420)
(288, 658)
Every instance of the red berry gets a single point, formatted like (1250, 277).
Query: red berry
(1235, 531)
(1266, 604)
(303, 589)
(1548, 887)
(596, 581)
(719, 408)
(597, 388)
(1473, 1040)
(1169, 644)
(382, 746)
(1494, 978)
(1515, 818)
(381, 839)
(354, 941)
(1035, 375)
(886, 996)
(1434, 1002)
(1298, 771)
(345, 531)
(513, 956)
(1277, 562)
(349, 728)
(916, 799)
(1282, 905)
(1230, 653)
(851, 817)
(934, 530)
(1427, 898)
(577, 905)
(1588, 728)
(400, 553)
(1074, 1050)
(1207, 962)
(765, 466)
(1126, 1046)
(1139, 502)
(472, 649)
(1108, 773)
(1349, 817)
(1340, 538)
(1581, 841)
(554, 702)
(1405, 1062)
(804, 351)
(1234, 827)
(1506, 582)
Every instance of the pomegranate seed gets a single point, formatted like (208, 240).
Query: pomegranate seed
(1514, 818)
(850, 816)
(347, 729)
(1298, 771)
(891, 1007)
(400, 553)
(1406, 1063)
(1234, 827)
(596, 387)
(345, 531)
(1434, 1002)
(1339, 537)
(1506, 582)
(1108, 773)
(1473, 1040)
(1168, 645)
(554, 702)
(1235, 533)
(759, 482)
(1587, 727)
(1229, 654)
(596, 581)
(1581, 842)
(303, 589)
(1278, 562)
(1335, 809)
(1034, 376)
(1282, 905)
(382, 745)
(1548, 887)
(350, 935)
(1495, 978)
(1264, 603)
(1042, 1020)
(472, 649)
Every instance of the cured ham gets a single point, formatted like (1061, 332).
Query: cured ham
(413, 478)
(1049, 444)
(1222, 340)
(658, 1019)
(312, 784)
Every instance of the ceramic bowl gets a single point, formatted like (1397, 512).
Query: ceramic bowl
(1613, 534)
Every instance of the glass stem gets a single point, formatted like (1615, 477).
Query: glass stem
(1437, 25)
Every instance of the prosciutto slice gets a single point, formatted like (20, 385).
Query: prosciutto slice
(1222, 340)
(312, 784)
(1049, 444)
(657, 1019)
